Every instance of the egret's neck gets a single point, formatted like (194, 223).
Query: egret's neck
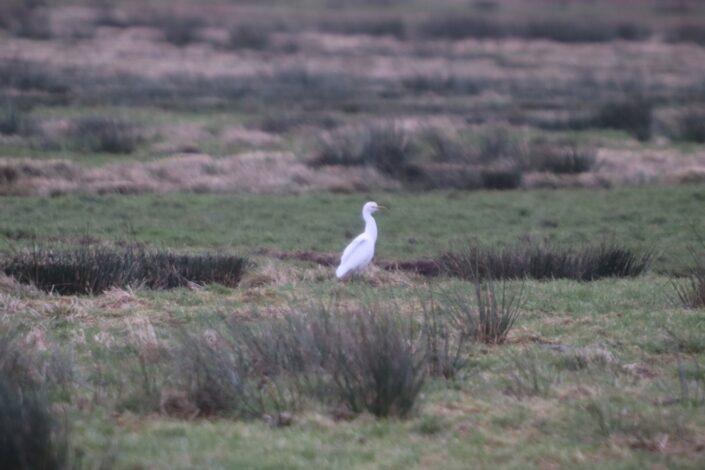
(370, 225)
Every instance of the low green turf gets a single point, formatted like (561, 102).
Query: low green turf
(664, 219)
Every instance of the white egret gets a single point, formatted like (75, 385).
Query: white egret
(361, 250)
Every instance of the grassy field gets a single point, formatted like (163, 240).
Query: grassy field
(589, 376)
(184, 173)
(417, 225)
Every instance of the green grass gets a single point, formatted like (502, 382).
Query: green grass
(600, 416)
(523, 404)
(540, 400)
(416, 225)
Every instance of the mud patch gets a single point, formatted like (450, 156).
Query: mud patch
(422, 267)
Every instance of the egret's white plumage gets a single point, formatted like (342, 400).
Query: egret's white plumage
(361, 250)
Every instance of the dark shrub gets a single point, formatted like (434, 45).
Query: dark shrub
(561, 157)
(91, 269)
(30, 437)
(374, 357)
(633, 115)
(105, 134)
(543, 261)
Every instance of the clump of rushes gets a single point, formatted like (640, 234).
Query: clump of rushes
(91, 269)
(539, 260)
(489, 313)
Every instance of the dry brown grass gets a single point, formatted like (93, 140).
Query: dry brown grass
(615, 167)
(256, 172)
(487, 76)
(281, 172)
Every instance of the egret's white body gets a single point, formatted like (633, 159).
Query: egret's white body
(361, 250)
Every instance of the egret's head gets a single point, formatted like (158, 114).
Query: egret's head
(371, 207)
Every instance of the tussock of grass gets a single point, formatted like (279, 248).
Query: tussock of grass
(433, 159)
(633, 114)
(366, 359)
(691, 384)
(688, 126)
(385, 147)
(30, 436)
(691, 291)
(221, 376)
(91, 269)
(10, 119)
(633, 427)
(544, 261)
(446, 341)
(530, 376)
(105, 134)
(28, 75)
(177, 29)
(488, 314)
(246, 36)
(689, 341)
(89, 134)
(375, 360)
(27, 361)
(566, 157)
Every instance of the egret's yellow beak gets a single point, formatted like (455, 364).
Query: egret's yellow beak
(380, 207)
